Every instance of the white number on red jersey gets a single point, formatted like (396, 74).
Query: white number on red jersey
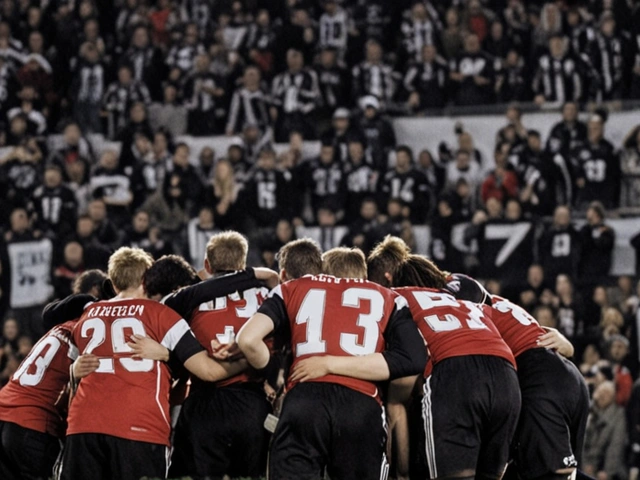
(519, 313)
(95, 330)
(449, 321)
(40, 361)
(312, 310)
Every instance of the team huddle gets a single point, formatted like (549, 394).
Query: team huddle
(338, 366)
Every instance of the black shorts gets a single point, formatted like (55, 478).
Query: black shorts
(26, 453)
(470, 411)
(221, 431)
(555, 406)
(104, 457)
(328, 426)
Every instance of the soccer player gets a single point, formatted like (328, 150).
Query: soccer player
(220, 428)
(555, 399)
(33, 405)
(334, 422)
(469, 418)
(119, 418)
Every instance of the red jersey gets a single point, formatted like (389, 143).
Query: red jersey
(125, 397)
(518, 329)
(334, 316)
(30, 397)
(222, 319)
(453, 328)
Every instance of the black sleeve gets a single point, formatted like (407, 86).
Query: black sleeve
(187, 299)
(62, 311)
(186, 348)
(274, 308)
(405, 351)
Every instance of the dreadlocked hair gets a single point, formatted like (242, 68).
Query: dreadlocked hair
(418, 271)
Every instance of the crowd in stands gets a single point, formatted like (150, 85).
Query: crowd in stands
(144, 73)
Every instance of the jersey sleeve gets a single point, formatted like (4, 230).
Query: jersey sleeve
(274, 308)
(405, 351)
(187, 299)
(64, 310)
(178, 338)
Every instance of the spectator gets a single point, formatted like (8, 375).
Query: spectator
(141, 234)
(199, 230)
(295, 96)
(605, 440)
(418, 31)
(377, 130)
(618, 349)
(334, 28)
(569, 133)
(249, 104)
(427, 81)
(105, 231)
(202, 92)
(88, 88)
(373, 76)
(271, 245)
(570, 309)
(333, 82)
(265, 195)
(65, 273)
(364, 230)
(559, 245)
(261, 42)
(148, 172)
(500, 183)
(497, 43)
(534, 288)
(558, 78)
(120, 96)
(597, 241)
(340, 134)
(146, 62)
(360, 180)
(473, 74)
(607, 58)
(74, 147)
(544, 178)
(406, 184)
(325, 180)
(630, 169)
(222, 193)
(113, 187)
(511, 79)
(170, 114)
(189, 178)
(21, 167)
(476, 19)
(36, 121)
(452, 35)
(464, 168)
(182, 55)
(55, 204)
(441, 248)
(598, 167)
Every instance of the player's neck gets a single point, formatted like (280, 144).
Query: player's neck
(132, 293)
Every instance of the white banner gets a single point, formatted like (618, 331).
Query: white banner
(30, 273)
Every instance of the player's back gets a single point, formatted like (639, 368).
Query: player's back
(31, 396)
(338, 316)
(451, 327)
(518, 329)
(124, 397)
(222, 318)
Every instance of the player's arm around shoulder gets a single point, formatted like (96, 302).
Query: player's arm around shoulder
(250, 340)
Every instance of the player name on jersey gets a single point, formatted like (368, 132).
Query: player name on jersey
(120, 311)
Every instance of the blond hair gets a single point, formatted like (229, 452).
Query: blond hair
(227, 251)
(387, 257)
(127, 267)
(345, 262)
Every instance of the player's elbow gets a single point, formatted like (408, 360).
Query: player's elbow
(249, 344)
